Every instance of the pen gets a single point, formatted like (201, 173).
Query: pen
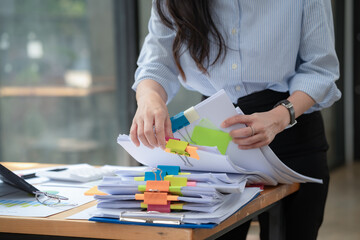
(33, 175)
(28, 176)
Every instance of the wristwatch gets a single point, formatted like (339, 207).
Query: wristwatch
(289, 106)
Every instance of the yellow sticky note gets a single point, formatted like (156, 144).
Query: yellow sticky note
(94, 191)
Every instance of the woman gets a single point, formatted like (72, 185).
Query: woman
(276, 61)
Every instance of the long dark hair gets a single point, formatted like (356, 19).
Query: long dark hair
(192, 21)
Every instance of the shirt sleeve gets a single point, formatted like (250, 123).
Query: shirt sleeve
(156, 61)
(318, 67)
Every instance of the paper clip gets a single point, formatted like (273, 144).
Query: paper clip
(186, 160)
(155, 169)
(187, 135)
(149, 176)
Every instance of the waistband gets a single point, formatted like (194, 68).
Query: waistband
(260, 101)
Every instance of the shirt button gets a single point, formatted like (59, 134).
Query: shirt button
(233, 31)
(238, 88)
(234, 66)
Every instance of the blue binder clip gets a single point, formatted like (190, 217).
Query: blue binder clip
(178, 121)
(170, 170)
(154, 176)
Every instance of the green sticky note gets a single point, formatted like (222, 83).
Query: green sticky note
(139, 179)
(142, 188)
(210, 137)
(175, 190)
(176, 181)
(177, 206)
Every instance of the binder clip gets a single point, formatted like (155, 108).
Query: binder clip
(177, 147)
(181, 148)
(152, 176)
(178, 121)
(155, 198)
(157, 186)
(169, 170)
(156, 192)
(183, 119)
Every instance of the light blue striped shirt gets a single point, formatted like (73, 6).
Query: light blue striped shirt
(283, 45)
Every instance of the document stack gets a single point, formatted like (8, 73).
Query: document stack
(213, 186)
(172, 197)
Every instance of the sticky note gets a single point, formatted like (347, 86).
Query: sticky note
(192, 152)
(175, 190)
(142, 188)
(141, 179)
(176, 181)
(210, 137)
(94, 191)
(177, 206)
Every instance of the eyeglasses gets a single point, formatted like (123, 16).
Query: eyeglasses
(49, 199)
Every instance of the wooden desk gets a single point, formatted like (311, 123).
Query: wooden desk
(57, 225)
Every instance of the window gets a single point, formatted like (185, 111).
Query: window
(63, 97)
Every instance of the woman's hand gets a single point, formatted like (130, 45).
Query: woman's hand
(261, 127)
(151, 122)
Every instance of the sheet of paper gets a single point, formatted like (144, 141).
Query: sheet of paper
(157, 156)
(24, 204)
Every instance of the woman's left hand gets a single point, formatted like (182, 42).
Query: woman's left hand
(261, 127)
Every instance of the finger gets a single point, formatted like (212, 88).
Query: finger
(133, 134)
(141, 135)
(168, 128)
(149, 132)
(249, 140)
(160, 132)
(252, 146)
(242, 132)
(236, 119)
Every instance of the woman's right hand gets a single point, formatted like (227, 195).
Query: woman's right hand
(151, 123)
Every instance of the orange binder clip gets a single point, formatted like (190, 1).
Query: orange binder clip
(157, 186)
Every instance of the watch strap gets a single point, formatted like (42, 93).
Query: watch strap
(289, 106)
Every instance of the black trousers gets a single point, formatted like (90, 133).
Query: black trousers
(302, 148)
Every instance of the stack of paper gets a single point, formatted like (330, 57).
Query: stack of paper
(219, 169)
(231, 203)
(209, 195)
(216, 151)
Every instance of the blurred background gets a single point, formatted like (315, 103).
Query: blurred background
(66, 68)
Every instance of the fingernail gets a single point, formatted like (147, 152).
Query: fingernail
(223, 124)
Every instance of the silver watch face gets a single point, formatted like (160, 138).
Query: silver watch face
(287, 105)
